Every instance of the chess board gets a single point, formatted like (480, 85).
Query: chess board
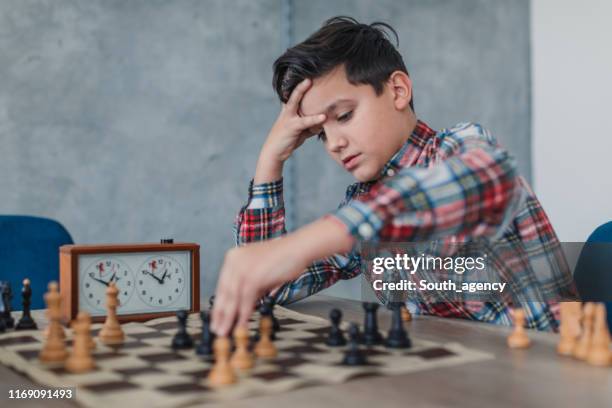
(146, 372)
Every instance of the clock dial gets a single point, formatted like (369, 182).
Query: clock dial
(99, 274)
(160, 281)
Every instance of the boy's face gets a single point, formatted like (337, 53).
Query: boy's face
(362, 131)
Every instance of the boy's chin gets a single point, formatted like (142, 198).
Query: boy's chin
(365, 175)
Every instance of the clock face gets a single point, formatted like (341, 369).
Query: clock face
(148, 282)
(161, 281)
(99, 274)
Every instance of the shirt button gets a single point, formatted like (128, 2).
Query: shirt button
(366, 231)
(390, 172)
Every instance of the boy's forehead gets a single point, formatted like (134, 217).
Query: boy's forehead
(328, 91)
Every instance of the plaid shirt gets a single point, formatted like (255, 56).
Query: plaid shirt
(454, 185)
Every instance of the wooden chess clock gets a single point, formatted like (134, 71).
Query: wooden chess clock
(154, 280)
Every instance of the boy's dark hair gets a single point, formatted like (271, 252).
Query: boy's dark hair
(365, 50)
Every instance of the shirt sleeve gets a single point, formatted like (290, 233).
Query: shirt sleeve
(318, 276)
(469, 191)
(263, 216)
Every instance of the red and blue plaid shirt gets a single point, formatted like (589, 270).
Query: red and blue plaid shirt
(453, 185)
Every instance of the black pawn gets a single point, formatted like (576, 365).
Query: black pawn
(207, 337)
(275, 324)
(181, 339)
(354, 356)
(7, 296)
(265, 309)
(335, 337)
(398, 336)
(371, 335)
(26, 322)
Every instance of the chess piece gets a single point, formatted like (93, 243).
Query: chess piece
(371, 335)
(54, 349)
(406, 316)
(269, 300)
(397, 336)
(599, 353)
(583, 345)
(181, 339)
(7, 296)
(335, 337)
(264, 347)
(26, 322)
(80, 361)
(354, 356)
(211, 302)
(221, 373)
(569, 329)
(265, 309)
(206, 336)
(111, 333)
(242, 359)
(518, 339)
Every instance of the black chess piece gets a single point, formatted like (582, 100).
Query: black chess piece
(206, 337)
(335, 337)
(7, 296)
(265, 309)
(182, 339)
(270, 302)
(211, 302)
(397, 336)
(2, 323)
(371, 335)
(26, 322)
(354, 356)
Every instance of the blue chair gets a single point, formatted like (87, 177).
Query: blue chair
(593, 273)
(29, 248)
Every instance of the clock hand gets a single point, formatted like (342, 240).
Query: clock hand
(153, 276)
(99, 280)
(164, 276)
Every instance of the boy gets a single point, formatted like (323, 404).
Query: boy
(347, 84)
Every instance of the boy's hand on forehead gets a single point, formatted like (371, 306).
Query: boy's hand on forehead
(291, 128)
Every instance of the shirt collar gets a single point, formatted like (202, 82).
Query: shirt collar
(406, 156)
(410, 151)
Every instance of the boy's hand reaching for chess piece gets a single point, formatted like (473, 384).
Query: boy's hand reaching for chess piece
(287, 134)
(251, 271)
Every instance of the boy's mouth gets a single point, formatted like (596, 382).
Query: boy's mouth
(350, 162)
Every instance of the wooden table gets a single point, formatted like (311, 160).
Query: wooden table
(536, 377)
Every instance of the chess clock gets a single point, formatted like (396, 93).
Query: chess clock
(154, 280)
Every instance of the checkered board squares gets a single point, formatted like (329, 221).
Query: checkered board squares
(146, 372)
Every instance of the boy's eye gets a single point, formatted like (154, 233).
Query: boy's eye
(345, 116)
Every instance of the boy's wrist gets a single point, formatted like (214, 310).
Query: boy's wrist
(320, 239)
(268, 169)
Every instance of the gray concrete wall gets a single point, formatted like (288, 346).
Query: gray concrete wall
(135, 120)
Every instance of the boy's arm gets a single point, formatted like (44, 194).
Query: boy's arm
(263, 217)
(473, 192)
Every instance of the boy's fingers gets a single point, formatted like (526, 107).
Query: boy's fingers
(309, 121)
(296, 95)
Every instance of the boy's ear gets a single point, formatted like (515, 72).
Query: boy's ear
(401, 89)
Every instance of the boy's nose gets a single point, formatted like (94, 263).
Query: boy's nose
(336, 142)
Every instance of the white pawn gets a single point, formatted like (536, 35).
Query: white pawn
(80, 361)
(111, 333)
(518, 339)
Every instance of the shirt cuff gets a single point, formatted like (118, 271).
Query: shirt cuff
(265, 195)
(360, 220)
